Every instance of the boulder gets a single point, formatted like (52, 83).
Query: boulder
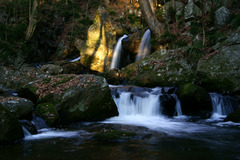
(76, 97)
(191, 10)
(48, 113)
(234, 117)
(159, 70)
(221, 71)
(195, 100)
(10, 128)
(20, 107)
(222, 16)
(96, 54)
(166, 9)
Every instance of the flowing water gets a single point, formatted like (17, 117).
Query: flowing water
(117, 53)
(145, 46)
(141, 110)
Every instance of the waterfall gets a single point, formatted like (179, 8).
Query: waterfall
(26, 132)
(145, 46)
(145, 103)
(117, 53)
(222, 105)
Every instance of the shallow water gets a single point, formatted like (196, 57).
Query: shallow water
(208, 139)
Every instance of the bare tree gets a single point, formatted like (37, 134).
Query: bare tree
(155, 26)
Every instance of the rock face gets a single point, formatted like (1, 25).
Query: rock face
(20, 107)
(222, 16)
(221, 71)
(97, 52)
(159, 70)
(10, 128)
(76, 98)
(52, 69)
(195, 100)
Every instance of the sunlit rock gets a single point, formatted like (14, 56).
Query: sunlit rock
(97, 52)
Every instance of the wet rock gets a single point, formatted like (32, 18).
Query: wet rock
(167, 103)
(234, 117)
(29, 126)
(195, 100)
(48, 113)
(222, 16)
(112, 76)
(20, 107)
(10, 128)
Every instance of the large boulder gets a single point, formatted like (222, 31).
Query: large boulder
(10, 128)
(159, 69)
(195, 100)
(167, 9)
(220, 72)
(20, 107)
(96, 54)
(222, 16)
(76, 97)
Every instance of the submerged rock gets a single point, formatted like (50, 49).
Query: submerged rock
(195, 100)
(10, 128)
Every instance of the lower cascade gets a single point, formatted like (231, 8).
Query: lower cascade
(222, 105)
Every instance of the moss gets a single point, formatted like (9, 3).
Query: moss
(110, 135)
(48, 113)
(46, 80)
(63, 81)
(236, 21)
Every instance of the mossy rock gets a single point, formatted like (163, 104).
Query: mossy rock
(234, 117)
(48, 113)
(113, 135)
(195, 100)
(10, 128)
(29, 92)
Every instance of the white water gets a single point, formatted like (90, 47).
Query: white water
(146, 111)
(222, 106)
(145, 46)
(51, 133)
(117, 53)
(76, 59)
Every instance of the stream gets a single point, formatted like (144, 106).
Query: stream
(157, 136)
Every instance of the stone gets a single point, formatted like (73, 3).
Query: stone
(234, 117)
(222, 16)
(165, 9)
(191, 10)
(221, 71)
(75, 97)
(20, 107)
(96, 54)
(52, 69)
(195, 100)
(10, 128)
(48, 113)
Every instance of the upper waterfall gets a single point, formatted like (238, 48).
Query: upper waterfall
(117, 53)
(145, 46)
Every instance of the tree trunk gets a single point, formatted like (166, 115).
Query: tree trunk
(155, 26)
(32, 19)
